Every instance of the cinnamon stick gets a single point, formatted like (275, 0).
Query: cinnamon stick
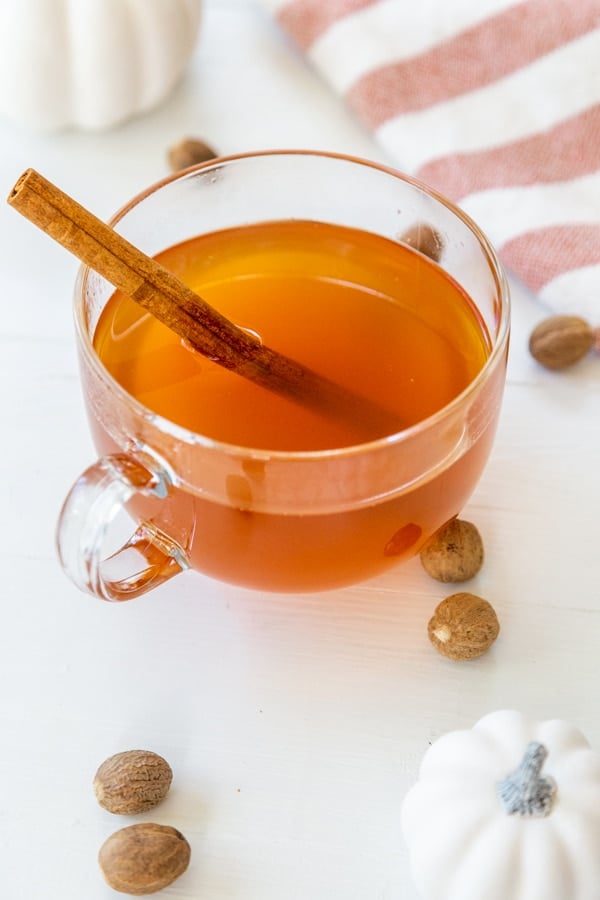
(178, 307)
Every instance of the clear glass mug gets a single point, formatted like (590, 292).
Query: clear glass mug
(279, 521)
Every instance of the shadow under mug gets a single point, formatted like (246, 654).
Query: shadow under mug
(278, 521)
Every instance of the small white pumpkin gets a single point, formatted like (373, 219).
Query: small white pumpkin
(91, 64)
(508, 810)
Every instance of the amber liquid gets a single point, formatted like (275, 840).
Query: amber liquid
(364, 311)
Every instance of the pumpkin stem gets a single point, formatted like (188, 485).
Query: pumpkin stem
(525, 792)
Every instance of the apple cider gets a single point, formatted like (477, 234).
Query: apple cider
(366, 312)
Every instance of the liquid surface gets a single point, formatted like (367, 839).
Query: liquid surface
(364, 311)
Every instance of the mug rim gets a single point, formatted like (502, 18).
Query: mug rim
(185, 435)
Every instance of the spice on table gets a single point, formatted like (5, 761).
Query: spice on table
(455, 553)
(463, 626)
(132, 782)
(144, 858)
(561, 341)
(189, 152)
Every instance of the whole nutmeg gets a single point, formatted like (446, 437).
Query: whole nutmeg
(455, 553)
(144, 858)
(189, 152)
(463, 626)
(426, 239)
(561, 341)
(132, 782)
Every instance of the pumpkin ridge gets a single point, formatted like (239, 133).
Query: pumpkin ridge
(442, 843)
(191, 12)
(506, 730)
(472, 842)
(557, 857)
(574, 848)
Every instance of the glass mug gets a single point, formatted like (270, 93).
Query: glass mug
(281, 520)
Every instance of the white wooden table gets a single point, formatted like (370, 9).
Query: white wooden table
(294, 725)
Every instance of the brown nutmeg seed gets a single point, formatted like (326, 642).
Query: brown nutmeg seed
(455, 553)
(144, 858)
(132, 782)
(561, 341)
(426, 239)
(463, 626)
(189, 152)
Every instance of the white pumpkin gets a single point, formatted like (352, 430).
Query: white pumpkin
(91, 63)
(508, 810)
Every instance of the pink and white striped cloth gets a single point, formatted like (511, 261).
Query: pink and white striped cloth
(496, 103)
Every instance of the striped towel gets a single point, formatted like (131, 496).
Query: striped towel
(496, 103)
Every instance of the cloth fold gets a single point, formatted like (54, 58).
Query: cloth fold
(496, 104)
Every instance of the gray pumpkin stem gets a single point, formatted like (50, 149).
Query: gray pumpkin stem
(525, 792)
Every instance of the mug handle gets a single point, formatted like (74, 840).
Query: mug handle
(91, 506)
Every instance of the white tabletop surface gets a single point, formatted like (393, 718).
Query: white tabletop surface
(294, 725)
